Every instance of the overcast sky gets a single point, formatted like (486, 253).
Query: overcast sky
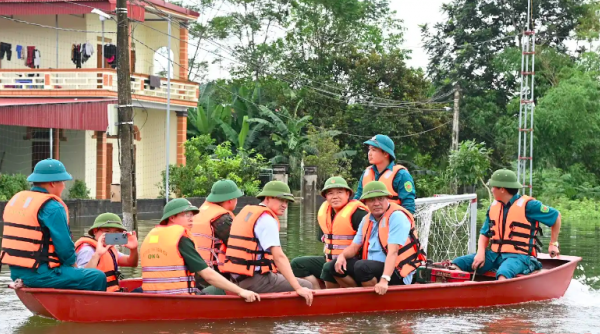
(413, 13)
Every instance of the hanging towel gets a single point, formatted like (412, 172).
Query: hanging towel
(29, 59)
(19, 51)
(154, 82)
(36, 58)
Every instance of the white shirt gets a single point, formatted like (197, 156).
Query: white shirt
(85, 253)
(267, 233)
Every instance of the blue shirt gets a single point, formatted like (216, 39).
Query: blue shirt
(52, 216)
(534, 211)
(399, 230)
(403, 184)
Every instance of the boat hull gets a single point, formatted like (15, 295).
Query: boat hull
(85, 306)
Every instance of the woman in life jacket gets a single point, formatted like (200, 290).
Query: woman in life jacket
(92, 252)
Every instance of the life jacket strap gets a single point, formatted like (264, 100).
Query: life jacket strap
(241, 237)
(23, 226)
(263, 262)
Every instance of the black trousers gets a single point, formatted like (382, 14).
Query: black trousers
(365, 270)
(5, 48)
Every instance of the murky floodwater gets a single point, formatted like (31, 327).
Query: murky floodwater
(577, 312)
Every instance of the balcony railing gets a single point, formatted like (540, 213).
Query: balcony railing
(92, 82)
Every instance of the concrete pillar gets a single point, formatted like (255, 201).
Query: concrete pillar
(183, 53)
(56, 144)
(181, 136)
(101, 165)
(281, 173)
(310, 186)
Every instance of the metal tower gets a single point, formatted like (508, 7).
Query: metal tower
(527, 105)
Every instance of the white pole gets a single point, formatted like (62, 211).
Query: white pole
(168, 140)
(102, 46)
(473, 236)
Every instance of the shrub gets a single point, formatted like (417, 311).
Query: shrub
(10, 184)
(79, 190)
(207, 164)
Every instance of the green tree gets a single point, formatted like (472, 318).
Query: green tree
(568, 122)
(327, 156)
(469, 164)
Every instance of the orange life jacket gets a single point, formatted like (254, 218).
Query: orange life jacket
(387, 178)
(163, 268)
(243, 249)
(107, 263)
(514, 233)
(211, 248)
(410, 254)
(339, 233)
(25, 242)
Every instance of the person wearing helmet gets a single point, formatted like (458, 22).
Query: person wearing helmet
(170, 260)
(396, 177)
(512, 226)
(212, 226)
(339, 218)
(37, 244)
(93, 252)
(388, 243)
(254, 257)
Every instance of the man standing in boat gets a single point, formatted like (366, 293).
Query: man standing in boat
(93, 252)
(512, 227)
(37, 242)
(254, 257)
(170, 259)
(339, 219)
(212, 225)
(396, 177)
(387, 241)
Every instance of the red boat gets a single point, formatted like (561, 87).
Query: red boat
(85, 306)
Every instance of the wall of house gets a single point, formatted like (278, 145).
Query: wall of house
(44, 39)
(71, 152)
(154, 40)
(151, 150)
(15, 152)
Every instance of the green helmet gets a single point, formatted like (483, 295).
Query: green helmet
(177, 206)
(276, 189)
(384, 143)
(107, 220)
(336, 182)
(375, 189)
(504, 178)
(49, 170)
(224, 190)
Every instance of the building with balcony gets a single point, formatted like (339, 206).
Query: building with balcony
(49, 81)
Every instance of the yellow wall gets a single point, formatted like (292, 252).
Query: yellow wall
(44, 39)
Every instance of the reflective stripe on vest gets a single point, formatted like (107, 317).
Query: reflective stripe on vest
(339, 233)
(514, 233)
(210, 247)
(410, 254)
(243, 249)
(107, 263)
(163, 268)
(387, 178)
(25, 243)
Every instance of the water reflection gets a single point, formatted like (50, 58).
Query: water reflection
(576, 312)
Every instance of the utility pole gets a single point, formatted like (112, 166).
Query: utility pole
(125, 117)
(455, 119)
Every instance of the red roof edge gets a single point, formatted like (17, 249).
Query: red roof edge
(175, 8)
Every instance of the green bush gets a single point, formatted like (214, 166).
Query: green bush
(206, 164)
(12, 184)
(79, 190)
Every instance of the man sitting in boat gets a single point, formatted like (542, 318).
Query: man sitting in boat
(37, 242)
(212, 226)
(170, 258)
(512, 225)
(339, 219)
(254, 255)
(93, 252)
(388, 242)
(396, 177)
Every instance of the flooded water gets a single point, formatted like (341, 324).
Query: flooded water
(577, 312)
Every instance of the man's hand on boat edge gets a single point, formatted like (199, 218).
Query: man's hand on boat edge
(249, 296)
(307, 294)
